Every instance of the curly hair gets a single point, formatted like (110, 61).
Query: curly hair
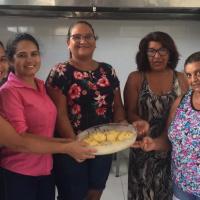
(166, 41)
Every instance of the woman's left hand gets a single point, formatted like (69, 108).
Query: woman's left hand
(146, 144)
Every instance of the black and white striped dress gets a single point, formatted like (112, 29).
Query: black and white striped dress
(149, 176)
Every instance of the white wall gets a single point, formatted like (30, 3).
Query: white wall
(117, 44)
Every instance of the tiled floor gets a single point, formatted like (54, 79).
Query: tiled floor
(116, 188)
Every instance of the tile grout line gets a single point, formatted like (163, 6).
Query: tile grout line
(123, 188)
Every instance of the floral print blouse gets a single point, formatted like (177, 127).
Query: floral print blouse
(184, 134)
(89, 94)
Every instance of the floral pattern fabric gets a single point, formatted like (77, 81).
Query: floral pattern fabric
(90, 94)
(184, 134)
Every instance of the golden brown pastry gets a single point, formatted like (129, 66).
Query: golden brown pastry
(111, 136)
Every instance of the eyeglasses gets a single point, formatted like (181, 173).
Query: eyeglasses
(79, 37)
(152, 52)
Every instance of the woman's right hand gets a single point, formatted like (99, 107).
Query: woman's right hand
(148, 144)
(79, 150)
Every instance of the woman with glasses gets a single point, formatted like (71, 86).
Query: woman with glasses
(184, 135)
(86, 93)
(149, 93)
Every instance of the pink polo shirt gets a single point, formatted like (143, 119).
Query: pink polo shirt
(31, 111)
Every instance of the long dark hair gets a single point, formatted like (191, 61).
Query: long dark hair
(166, 41)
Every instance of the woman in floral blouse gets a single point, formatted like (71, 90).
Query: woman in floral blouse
(86, 93)
(184, 134)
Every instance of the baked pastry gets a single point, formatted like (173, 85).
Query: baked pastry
(109, 138)
(112, 136)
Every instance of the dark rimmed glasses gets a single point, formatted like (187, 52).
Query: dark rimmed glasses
(79, 37)
(152, 52)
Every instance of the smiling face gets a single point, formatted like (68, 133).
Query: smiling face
(192, 71)
(82, 41)
(157, 62)
(3, 63)
(26, 59)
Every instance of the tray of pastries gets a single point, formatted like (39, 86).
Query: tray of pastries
(109, 138)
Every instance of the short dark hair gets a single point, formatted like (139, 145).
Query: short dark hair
(195, 57)
(166, 41)
(12, 43)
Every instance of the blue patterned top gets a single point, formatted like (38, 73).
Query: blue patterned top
(184, 134)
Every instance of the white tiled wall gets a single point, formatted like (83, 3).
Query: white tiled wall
(117, 44)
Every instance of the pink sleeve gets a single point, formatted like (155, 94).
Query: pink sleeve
(11, 108)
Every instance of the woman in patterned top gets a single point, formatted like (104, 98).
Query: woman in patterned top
(148, 95)
(86, 93)
(184, 134)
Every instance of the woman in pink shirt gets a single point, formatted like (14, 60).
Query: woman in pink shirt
(25, 104)
(35, 143)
